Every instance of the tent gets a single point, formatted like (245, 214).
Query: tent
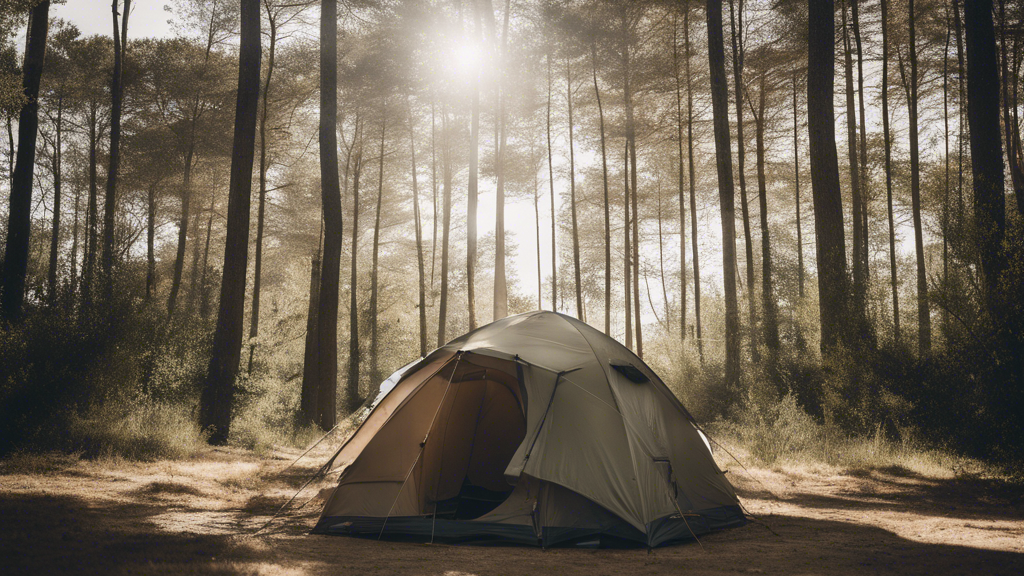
(535, 429)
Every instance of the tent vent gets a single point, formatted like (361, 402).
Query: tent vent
(631, 372)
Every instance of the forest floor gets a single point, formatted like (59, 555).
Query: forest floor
(62, 514)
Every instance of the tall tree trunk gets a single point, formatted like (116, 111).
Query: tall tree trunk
(500, 307)
(374, 269)
(962, 115)
(986, 146)
(771, 321)
(446, 168)
(888, 172)
(218, 389)
(572, 199)
(607, 208)
(924, 322)
(946, 161)
(92, 211)
(796, 193)
(116, 97)
(536, 220)
(693, 185)
(551, 181)
(352, 400)
(723, 152)
(193, 284)
(310, 366)
(150, 239)
(864, 181)
(472, 188)
(736, 25)
(633, 254)
(833, 288)
(19, 216)
(73, 284)
(254, 318)
(859, 301)
(682, 180)
(420, 268)
(433, 204)
(330, 191)
(627, 252)
(1013, 154)
(51, 276)
(204, 289)
(661, 268)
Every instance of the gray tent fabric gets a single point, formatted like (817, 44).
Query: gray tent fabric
(535, 429)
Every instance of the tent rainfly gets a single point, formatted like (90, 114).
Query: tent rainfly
(536, 429)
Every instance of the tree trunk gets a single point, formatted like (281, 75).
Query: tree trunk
(693, 186)
(554, 218)
(446, 168)
(736, 25)
(833, 288)
(352, 400)
(682, 179)
(150, 239)
(796, 193)
(433, 204)
(179, 259)
(116, 97)
(627, 252)
(888, 172)
(1013, 154)
(536, 220)
(74, 247)
(607, 208)
(419, 240)
(859, 301)
(946, 161)
(204, 289)
(864, 181)
(500, 307)
(92, 213)
(374, 269)
(962, 115)
(254, 318)
(986, 146)
(310, 366)
(633, 254)
(19, 218)
(771, 321)
(330, 190)
(472, 189)
(51, 276)
(572, 199)
(661, 268)
(723, 152)
(924, 323)
(218, 389)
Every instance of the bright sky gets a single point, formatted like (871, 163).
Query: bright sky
(147, 19)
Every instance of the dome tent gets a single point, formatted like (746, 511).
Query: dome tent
(535, 429)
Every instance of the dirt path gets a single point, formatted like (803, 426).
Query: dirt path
(60, 515)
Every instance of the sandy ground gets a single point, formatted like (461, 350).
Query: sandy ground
(62, 515)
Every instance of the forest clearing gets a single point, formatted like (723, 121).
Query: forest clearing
(600, 246)
(197, 516)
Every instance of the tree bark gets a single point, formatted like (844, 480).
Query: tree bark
(924, 322)
(500, 305)
(551, 180)
(58, 145)
(352, 400)
(888, 172)
(833, 288)
(864, 180)
(254, 319)
(92, 211)
(723, 152)
(218, 389)
(420, 268)
(796, 193)
(330, 190)
(446, 168)
(859, 301)
(986, 146)
(633, 254)
(374, 268)
(693, 186)
(116, 97)
(472, 188)
(736, 25)
(682, 179)
(19, 217)
(771, 321)
(627, 252)
(204, 289)
(308, 399)
(572, 199)
(607, 208)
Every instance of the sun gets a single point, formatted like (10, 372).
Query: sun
(467, 58)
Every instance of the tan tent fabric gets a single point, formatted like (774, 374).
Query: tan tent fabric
(523, 429)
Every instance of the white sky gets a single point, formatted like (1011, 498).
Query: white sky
(147, 19)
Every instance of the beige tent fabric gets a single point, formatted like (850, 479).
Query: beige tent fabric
(531, 402)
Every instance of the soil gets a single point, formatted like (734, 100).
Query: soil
(64, 515)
